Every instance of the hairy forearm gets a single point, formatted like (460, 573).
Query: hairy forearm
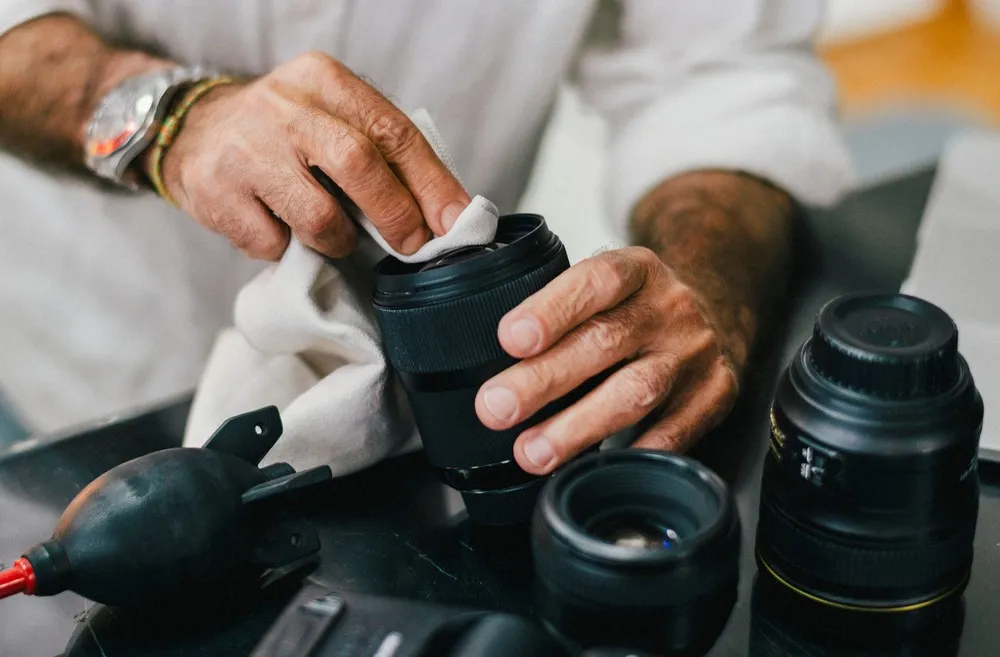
(53, 72)
(728, 236)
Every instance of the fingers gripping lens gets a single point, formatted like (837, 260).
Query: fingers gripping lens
(439, 326)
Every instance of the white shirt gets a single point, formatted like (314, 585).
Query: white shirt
(110, 300)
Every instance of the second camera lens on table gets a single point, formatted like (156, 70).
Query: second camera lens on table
(637, 549)
(870, 490)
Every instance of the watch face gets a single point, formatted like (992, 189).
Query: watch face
(118, 118)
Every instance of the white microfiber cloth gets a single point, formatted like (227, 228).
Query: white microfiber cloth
(305, 340)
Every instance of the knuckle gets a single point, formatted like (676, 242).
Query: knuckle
(316, 214)
(641, 388)
(355, 154)
(301, 124)
(241, 234)
(667, 436)
(728, 385)
(537, 380)
(684, 302)
(317, 62)
(703, 341)
(604, 334)
(643, 255)
(392, 132)
(398, 218)
(606, 276)
(267, 245)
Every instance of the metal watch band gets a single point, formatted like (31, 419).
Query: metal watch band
(111, 154)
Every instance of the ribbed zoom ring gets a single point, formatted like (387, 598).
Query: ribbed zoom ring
(453, 335)
(861, 567)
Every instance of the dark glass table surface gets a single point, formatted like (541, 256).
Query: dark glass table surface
(394, 530)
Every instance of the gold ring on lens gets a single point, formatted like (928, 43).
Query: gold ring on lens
(874, 610)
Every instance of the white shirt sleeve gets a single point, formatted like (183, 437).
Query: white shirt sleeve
(723, 84)
(15, 12)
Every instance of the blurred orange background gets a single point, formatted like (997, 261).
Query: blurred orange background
(950, 59)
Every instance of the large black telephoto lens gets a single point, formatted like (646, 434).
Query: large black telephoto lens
(870, 488)
(636, 549)
(439, 325)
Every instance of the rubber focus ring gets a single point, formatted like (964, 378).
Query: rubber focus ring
(863, 567)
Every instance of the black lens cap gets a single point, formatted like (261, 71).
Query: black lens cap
(886, 345)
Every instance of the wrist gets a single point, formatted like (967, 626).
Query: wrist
(186, 116)
(727, 236)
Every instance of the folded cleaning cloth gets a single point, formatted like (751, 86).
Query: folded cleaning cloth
(305, 340)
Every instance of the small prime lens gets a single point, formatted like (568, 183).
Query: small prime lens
(439, 326)
(637, 549)
(870, 488)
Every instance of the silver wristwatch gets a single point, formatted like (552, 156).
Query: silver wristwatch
(127, 119)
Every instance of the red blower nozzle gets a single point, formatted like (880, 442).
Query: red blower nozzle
(174, 522)
(19, 578)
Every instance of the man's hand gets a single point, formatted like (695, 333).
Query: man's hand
(620, 305)
(681, 317)
(240, 165)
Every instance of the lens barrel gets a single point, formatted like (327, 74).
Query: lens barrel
(439, 327)
(784, 624)
(870, 489)
(637, 549)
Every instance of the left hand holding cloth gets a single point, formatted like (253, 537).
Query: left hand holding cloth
(305, 340)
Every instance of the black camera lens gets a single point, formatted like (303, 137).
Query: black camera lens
(870, 489)
(439, 326)
(637, 549)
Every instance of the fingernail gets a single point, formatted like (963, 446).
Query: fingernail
(413, 243)
(450, 214)
(539, 451)
(525, 334)
(501, 403)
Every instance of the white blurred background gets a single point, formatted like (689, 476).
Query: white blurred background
(895, 63)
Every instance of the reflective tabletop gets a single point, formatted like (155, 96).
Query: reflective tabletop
(394, 530)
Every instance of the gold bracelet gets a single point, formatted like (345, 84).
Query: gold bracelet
(171, 125)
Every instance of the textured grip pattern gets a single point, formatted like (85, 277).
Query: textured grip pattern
(452, 433)
(454, 437)
(865, 567)
(454, 335)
